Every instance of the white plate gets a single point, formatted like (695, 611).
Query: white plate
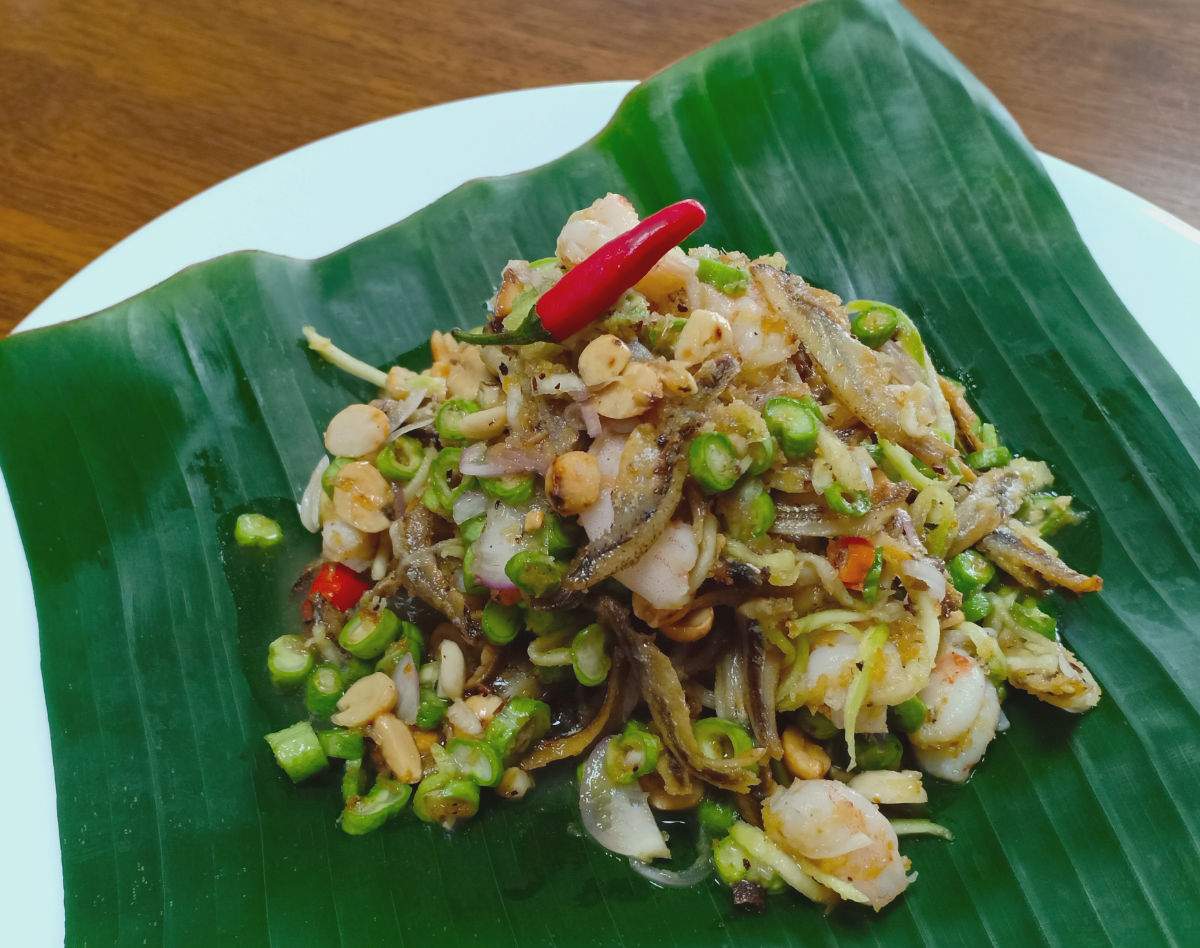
(311, 201)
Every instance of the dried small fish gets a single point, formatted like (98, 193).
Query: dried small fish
(417, 570)
(572, 745)
(816, 520)
(859, 376)
(1026, 562)
(664, 695)
(642, 506)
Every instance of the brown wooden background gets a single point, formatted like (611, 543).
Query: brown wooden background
(113, 111)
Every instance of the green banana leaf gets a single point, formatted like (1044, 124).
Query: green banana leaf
(840, 133)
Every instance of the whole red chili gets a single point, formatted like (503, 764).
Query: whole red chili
(339, 585)
(591, 288)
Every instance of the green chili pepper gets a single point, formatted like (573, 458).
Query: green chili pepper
(878, 753)
(730, 280)
(409, 641)
(720, 739)
(511, 489)
(534, 573)
(909, 715)
(986, 458)
(432, 709)
(354, 780)
(477, 760)
(449, 418)
(341, 743)
(716, 816)
(632, 754)
(322, 690)
(329, 478)
(400, 460)
(1028, 615)
(252, 529)
(795, 424)
(289, 661)
(368, 632)
(444, 796)
(731, 861)
(969, 571)
(556, 536)
(816, 725)
(517, 725)
(368, 813)
(589, 655)
(874, 327)
(870, 589)
(502, 624)
(857, 506)
(298, 751)
(470, 530)
(446, 482)
(713, 462)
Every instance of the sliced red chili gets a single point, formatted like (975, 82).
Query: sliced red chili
(853, 557)
(591, 288)
(339, 585)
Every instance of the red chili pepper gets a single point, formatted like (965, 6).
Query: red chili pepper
(339, 585)
(591, 288)
(853, 557)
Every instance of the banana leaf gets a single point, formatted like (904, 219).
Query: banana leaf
(842, 134)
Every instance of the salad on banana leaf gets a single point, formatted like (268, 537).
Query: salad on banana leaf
(729, 544)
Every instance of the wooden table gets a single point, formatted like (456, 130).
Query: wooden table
(113, 111)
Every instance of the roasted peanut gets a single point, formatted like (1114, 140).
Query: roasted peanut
(343, 543)
(359, 493)
(676, 379)
(803, 758)
(534, 520)
(396, 744)
(356, 430)
(704, 333)
(514, 784)
(484, 706)
(573, 482)
(603, 360)
(451, 669)
(637, 388)
(365, 700)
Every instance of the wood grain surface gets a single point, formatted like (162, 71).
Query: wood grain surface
(113, 111)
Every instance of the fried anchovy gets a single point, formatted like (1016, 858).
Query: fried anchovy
(761, 684)
(663, 693)
(994, 497)
(965, 418)
(418, 572)
(816, 520)
(1026, 562)
(572, 745)
(858, 375)
(643, 506)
